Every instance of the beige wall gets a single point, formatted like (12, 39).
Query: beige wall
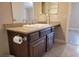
(5, 18)
(61, 17)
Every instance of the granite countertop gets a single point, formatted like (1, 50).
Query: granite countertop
(31, 28)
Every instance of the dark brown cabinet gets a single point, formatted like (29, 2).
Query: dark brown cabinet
(37, 48)
(36, 44)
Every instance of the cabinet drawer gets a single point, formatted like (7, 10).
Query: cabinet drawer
(45, 32)
(37, 48)
(34, 36)
(50, 35)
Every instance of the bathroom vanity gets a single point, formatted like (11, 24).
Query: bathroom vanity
(36, 40)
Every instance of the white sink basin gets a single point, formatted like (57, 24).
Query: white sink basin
(28, 25)
(35, 25)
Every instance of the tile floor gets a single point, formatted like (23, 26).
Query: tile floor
(66, 50)
(73, 37)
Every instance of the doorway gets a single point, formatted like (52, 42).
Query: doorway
(73, 27)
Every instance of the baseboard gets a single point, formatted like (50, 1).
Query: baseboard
(60, 41)
(77, 29)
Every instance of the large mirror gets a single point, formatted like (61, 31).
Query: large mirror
(50, 7)
(22, 11)
(29, 12)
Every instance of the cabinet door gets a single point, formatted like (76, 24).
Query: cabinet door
(50, 38)
(38, 48)
(18, 50)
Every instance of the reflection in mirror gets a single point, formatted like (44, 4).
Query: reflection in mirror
(22, 12)
(50, 7)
